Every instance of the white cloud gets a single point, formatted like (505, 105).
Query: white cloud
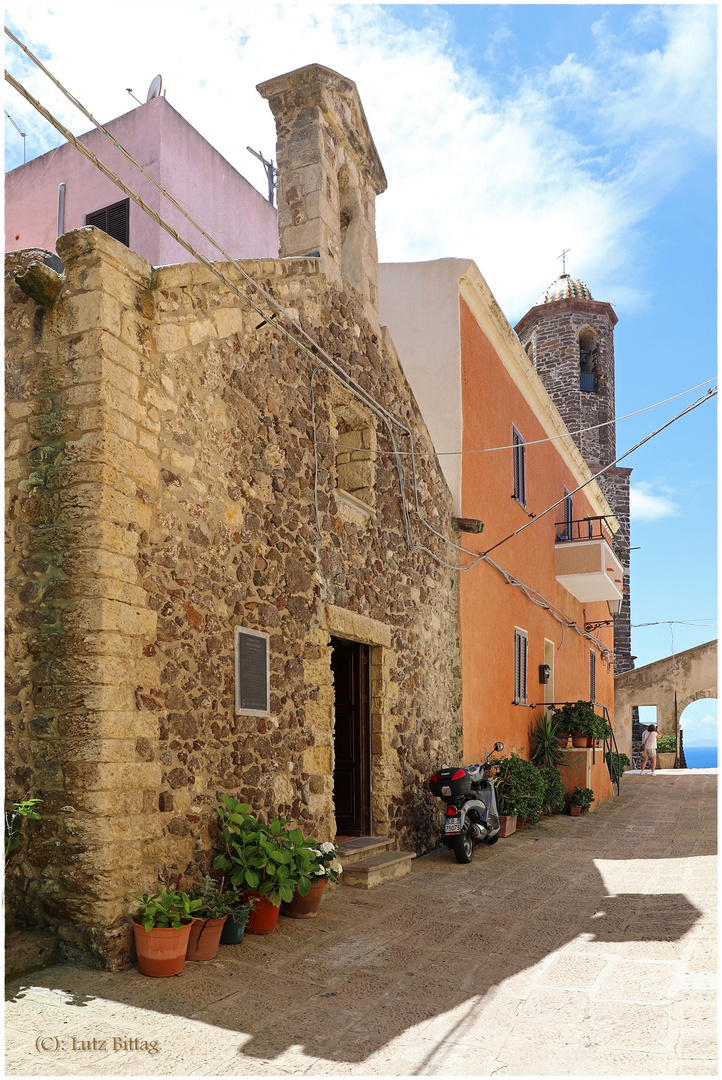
(574, 155)
(646, 505)
(700, 730)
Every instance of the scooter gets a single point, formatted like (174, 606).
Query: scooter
(472, 813)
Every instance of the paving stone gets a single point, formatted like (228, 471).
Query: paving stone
(418, 978)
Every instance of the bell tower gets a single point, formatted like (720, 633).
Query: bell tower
(569, 338)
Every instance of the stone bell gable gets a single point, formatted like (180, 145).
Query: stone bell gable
(329, 174)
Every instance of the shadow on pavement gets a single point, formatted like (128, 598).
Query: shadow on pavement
(374, 964)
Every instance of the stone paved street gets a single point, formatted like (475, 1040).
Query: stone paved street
(582, 946)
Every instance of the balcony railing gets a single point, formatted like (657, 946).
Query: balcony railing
(589, 528)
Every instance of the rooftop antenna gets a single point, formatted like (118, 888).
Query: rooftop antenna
(133, 95)
(154, 88)
(21, 133)
(270, 172)
(563, 257)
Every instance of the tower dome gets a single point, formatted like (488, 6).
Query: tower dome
(565, 288)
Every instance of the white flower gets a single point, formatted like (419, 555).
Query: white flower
(336, 867)
(321, 871)
(315, 851)
(327, 847)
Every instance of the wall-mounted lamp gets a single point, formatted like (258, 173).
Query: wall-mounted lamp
(614, 606)
(544, 673)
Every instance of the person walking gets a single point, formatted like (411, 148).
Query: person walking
(649, 748)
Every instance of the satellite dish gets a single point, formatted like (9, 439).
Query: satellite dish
(154, 88)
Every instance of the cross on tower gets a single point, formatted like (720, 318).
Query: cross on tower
(563, 257)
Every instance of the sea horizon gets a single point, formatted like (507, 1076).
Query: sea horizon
(701, 757)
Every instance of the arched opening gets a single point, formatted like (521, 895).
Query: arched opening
(588, 359)
(698, 723)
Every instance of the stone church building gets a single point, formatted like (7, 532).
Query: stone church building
(224, 574)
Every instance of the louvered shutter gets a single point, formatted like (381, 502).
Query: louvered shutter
(519, 468)
(520, 651)
(113, 220)
(592, 676)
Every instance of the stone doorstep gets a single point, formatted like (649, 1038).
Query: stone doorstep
(29, 950)
(387, 866)
(360, 848)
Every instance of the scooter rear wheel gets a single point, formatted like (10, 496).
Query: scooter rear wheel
(492, 839)
(463, 845)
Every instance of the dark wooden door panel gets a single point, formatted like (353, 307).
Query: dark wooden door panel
(351, 790)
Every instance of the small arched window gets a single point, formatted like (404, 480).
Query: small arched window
(587, 360)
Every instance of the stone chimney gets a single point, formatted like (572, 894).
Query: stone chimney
(329, 174)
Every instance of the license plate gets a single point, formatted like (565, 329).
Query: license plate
(453, 825)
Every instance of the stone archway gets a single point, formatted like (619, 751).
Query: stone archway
(671, 684)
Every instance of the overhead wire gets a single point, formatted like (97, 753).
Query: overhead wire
(314, 351)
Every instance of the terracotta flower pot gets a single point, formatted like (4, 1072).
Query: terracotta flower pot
(264, 917)
(204, 938)
(507, 824)
(305, 907)
(161, 951)
(580, 742)
(563, 737)
(575, 811)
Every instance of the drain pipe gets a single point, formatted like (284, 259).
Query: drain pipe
(61, 208)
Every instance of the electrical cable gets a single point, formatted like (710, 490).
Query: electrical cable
(711, 393)
(322, 359)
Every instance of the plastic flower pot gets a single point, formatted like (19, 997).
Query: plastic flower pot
(233, 930)
(305, 907)
(160, 951)
(264, 917)
(204, 938)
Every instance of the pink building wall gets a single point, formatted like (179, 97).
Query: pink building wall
(178, 157)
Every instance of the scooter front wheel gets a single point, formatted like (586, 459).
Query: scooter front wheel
(463, 845)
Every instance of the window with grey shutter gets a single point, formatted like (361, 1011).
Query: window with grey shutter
(592, 676)
(519, 467)
(568, 515)
(113, 220)
(520, 652)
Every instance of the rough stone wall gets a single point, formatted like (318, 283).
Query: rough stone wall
(550, 335)
(553, 332)
(161, 492)
(329, 176)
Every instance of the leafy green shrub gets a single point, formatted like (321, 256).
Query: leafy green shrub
(579, 718)
(583, 796)
(544, 746)
(520, 788)
(165, 909)
(622, 763)
(554, 795)
(666, 744)
(263, 858)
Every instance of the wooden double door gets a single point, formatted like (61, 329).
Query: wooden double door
(352, 737)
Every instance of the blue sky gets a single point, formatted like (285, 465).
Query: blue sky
(507, 133)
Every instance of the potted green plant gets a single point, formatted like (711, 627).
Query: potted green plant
(257, 858)
(554, 795)
(210, 917)
(545, 746)
(519, 788)
(582, 723)
(580, 800)
(666, 751)
(161, 927)
(318, 864)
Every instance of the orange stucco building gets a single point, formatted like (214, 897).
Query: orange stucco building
(537, 598)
